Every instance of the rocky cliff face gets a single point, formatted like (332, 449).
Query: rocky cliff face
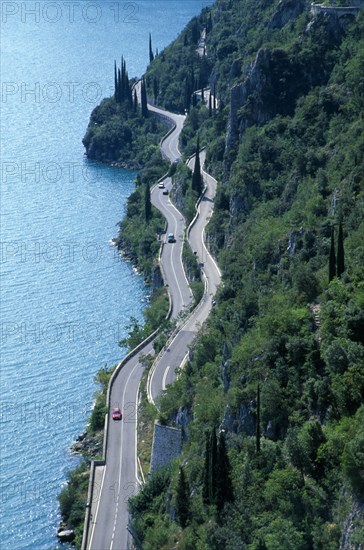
(274, 81)
(241, 421)
(179, 189)
(287, 10)
(353, 525)
(247, 95)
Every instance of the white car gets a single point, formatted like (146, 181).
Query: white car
(161, 185)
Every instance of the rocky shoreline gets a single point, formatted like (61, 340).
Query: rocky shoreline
(127, 165)
(130, 257)
(86, 445)
(64, 533)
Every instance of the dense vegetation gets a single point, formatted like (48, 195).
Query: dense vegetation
(189, 71)
(120, 130)
(143, 225)
(279, 368)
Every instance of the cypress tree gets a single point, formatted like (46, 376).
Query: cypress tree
(202, 95)
(135, 101)
(183, 500)
(122, 81)
(213, 467)
(209, 24)
(215, 98)
(210, 105)
(155, 88)
(257, 427)
(207, 471)
(124, 77)
(194, 100)
(195, 31)
(115, 82)
(192, 80)
(148, 204)
(340, 252)
(128, 90)
(196, 176)
(151, 55)
(187, 94)
(119, 86)
(224, 486)
(332, 258)
(143, 97)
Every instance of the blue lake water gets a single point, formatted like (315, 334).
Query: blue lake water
(66, 296)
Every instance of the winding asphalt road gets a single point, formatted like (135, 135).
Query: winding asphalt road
(164, 371)
(118, 479)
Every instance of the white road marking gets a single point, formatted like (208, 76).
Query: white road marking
(121, 453)
(172, 262)
(165, 378)
(136, 435)
(97, 507)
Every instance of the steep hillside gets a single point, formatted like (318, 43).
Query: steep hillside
(278, 371)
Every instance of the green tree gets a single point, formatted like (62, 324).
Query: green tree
(297, 451)
(206, 471)
(151, 55)
(143, 97)
(210, 469)
(197, 176)
(312, 437)
(115, 82)
(155, 88)
(188, 93)
(332, 258)
(148, 204)
(353, 456)
(183, 507)
(257, 426)
(224, 486)
(213, 467)
(119, 87)
(340, 252)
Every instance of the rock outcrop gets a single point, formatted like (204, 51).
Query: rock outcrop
(247, 94)
(352, 525)
(241, 421)
(65, 534)
(157, 279)
(275, 80)
(287, 10)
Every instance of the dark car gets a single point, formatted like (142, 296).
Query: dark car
(165, 192)
(171, 238)
(116, 414)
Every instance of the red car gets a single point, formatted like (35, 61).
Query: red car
(116, 414)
